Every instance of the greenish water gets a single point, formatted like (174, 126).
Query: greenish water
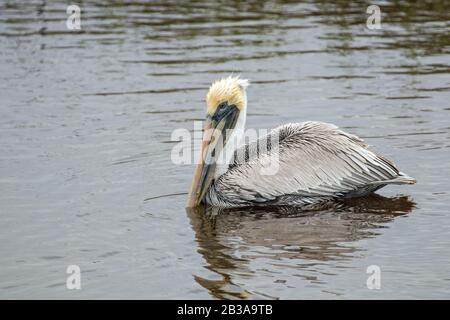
(85, 136)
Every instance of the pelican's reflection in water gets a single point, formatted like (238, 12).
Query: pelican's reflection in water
(230, 239)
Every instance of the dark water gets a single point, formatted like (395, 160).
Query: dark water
(85, 136)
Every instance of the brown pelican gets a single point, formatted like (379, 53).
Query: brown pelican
(315, 161)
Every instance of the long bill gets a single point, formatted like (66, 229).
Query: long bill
(213, 142)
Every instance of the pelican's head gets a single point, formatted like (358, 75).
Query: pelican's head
(227, 91)
(225, 101)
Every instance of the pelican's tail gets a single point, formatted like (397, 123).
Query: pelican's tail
(406, 179)
(402, 178)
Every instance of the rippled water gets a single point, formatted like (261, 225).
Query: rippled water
(85, 132)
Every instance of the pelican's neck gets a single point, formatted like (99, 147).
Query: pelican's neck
(234, 142)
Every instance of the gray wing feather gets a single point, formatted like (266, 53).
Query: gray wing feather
(315, 159)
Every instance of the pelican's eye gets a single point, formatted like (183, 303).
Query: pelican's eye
(222, 106)
(221, 111)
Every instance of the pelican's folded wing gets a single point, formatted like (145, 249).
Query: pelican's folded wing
(312, 159)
